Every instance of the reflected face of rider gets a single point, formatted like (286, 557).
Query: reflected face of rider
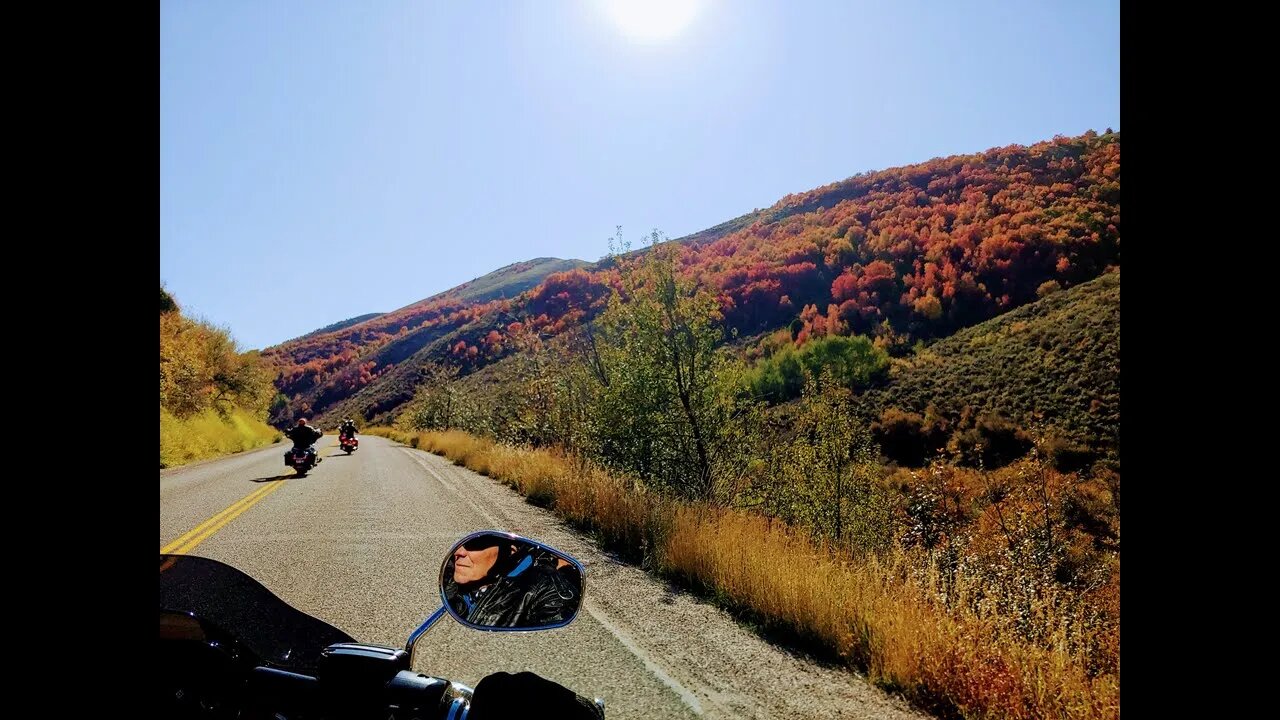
(473, 565)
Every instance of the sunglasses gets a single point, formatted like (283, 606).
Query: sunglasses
(481, 543)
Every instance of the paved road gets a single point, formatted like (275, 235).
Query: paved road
(359, 541)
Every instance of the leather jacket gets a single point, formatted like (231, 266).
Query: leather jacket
(531, 595)
(303, 436)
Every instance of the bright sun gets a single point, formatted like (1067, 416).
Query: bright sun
(651, 19)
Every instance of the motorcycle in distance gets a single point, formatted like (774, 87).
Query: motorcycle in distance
(348, 444)
(229, 648)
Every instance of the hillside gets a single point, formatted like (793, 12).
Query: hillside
(332, 364)
(512, 280)
(1054, 363)
(342, 325)
(911, 253)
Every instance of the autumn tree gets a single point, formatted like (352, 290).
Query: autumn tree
(670, 411)
(201, 368)
(829, 466)
(440, 402)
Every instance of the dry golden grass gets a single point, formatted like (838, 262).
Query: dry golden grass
(207, 435)
(879, 614)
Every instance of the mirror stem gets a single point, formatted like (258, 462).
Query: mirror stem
(422, 629)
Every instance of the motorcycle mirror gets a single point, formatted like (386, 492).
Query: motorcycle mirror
(499, 581)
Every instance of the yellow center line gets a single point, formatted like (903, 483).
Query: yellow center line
(201, 532)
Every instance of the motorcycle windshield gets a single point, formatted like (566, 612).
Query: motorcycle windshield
(237, 604)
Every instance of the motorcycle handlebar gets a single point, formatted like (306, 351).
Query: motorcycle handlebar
(500, 696)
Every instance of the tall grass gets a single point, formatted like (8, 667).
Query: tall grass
(208, 434)
(949, 653)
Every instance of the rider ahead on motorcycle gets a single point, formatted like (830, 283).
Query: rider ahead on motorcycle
(303, 436)
(347, 429)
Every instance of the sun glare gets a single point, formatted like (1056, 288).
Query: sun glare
(651, 20)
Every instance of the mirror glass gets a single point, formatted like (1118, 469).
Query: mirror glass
(500, 581)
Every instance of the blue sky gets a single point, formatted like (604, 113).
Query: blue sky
(320, 160)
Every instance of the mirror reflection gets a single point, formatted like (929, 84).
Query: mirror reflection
(503, 581)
